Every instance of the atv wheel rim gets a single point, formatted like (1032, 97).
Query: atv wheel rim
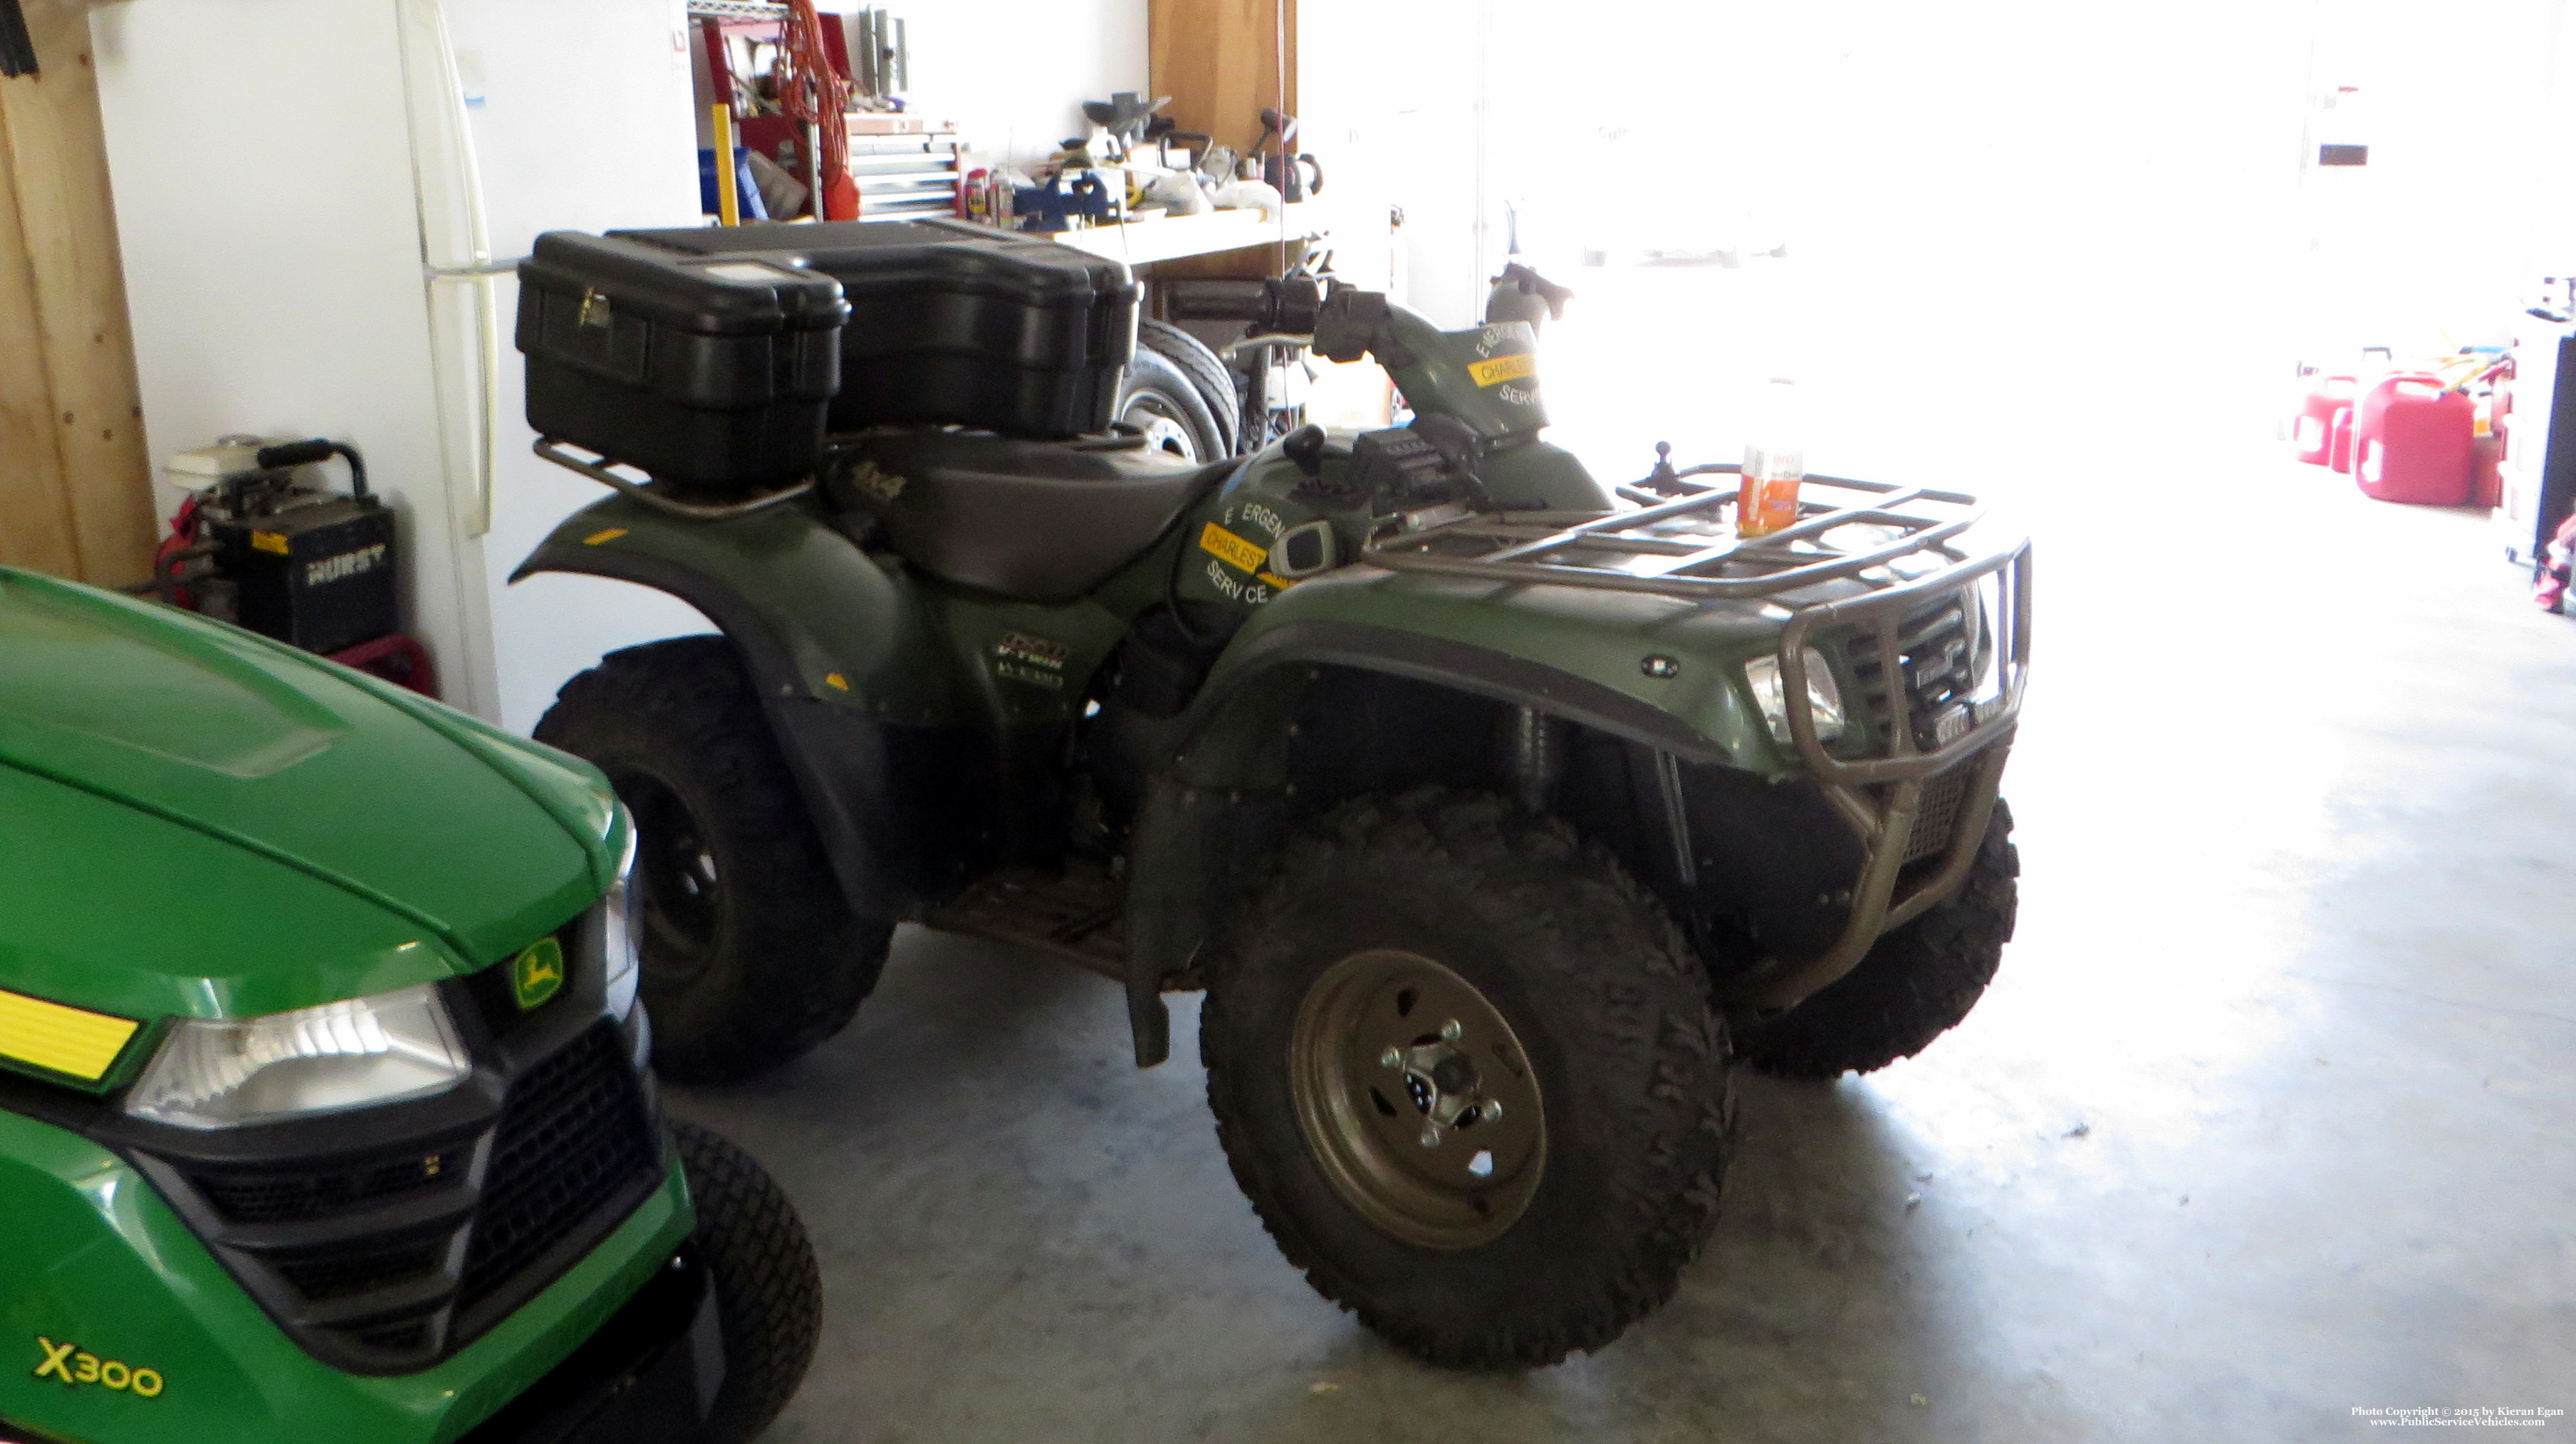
(1160, 419)
(677, 870)
(1417, 1100)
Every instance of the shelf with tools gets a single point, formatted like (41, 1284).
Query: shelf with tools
(1170, 238)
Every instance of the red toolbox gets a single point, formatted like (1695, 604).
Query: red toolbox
(2313, 433)
(2412, 440)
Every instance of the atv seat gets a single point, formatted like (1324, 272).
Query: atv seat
(1034, 521)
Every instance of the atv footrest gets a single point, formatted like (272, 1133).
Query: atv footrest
(1076, 915)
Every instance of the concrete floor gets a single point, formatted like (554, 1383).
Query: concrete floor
(2271, 1114)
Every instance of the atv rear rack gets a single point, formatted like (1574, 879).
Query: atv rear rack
(1877, 556)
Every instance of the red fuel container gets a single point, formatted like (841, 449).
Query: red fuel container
(2339, 441)
(2412, 441)
(2313, 432)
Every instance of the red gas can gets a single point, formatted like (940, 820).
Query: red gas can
(2312, 433)
(2339, 441)
(2411, 441)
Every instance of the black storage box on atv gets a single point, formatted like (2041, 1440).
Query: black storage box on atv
(712, 372)
(954, 324)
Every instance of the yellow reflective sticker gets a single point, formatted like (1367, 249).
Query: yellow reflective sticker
(1503, 368)
(1233, 550)
(269, 541)
(836, 681)
(595, 538)
(1275, 580)
(66, 1040)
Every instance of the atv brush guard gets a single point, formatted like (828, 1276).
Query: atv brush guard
(1855, 573)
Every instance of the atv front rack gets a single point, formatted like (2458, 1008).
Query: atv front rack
(1687, 546)
(1864, 563)
(1872, 564)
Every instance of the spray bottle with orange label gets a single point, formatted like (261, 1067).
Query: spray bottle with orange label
(1774, 463)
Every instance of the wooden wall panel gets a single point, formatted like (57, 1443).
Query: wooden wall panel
(1219, 61)
(65, 292)
(35, 510)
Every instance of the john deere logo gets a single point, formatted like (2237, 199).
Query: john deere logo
(538, 973)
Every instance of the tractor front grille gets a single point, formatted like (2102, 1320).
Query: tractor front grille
(572, 1136)
(389, 1258)
(288, 1197)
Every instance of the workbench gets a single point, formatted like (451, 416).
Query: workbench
(1141, 243)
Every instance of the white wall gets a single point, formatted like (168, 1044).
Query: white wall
(1013, 73)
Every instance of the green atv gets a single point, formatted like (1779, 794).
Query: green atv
(1495, 810)
(323, 1108)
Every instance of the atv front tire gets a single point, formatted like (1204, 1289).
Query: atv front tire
(750, 955)
(769, 1290)
(1466, 1072)
(1915, 984)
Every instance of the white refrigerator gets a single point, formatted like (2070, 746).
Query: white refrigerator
(317, 202)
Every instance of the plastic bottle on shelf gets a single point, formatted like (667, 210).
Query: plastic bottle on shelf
(1774, 463)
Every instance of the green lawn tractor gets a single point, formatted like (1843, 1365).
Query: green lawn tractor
(324, 1112)
(1497, 811)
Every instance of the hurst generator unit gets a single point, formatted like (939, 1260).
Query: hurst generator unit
(254, 545)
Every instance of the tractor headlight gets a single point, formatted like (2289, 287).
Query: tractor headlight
(618, 964)
(226, 1072)
(1770, 693)
(619, 967)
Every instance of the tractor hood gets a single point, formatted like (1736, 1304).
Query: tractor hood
(201, 821)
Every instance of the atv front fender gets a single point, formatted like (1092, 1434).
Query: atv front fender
(837, 646)
(1665, 673)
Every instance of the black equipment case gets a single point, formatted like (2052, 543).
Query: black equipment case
(708, 371)
(953, 323)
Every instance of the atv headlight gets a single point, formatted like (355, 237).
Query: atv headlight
(618, 963)
(226, 1072)
(1770, 693)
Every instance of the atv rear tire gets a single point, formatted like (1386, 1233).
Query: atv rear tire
(751, 957)
(1158, 398)
(1917, 983)
(1205, 370)
(1577, 1003)
(769, 1290)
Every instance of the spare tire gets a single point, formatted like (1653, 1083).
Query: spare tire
(1206, 374)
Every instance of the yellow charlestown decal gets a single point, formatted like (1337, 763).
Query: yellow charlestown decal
(66, 1040)
(1233, 550)
(1503, 368)
(538, 973)
(76, 1367)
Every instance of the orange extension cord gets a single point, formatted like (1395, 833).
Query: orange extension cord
(811, 91)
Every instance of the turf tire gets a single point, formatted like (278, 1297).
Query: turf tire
(776, 962)
(1917, 983)
(1601, 990)
(768, 1288)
